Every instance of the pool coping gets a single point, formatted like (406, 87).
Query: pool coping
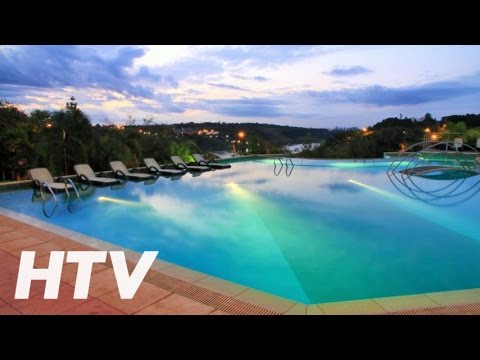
(233, 298)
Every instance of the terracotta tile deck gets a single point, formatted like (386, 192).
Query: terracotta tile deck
(17, 236)
(169, 289)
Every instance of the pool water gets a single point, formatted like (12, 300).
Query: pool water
(330, 231)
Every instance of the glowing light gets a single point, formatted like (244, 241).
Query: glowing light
(378, 191)
(364, 129)
(434, 137)
(118, 201)
(239, 191)
(241, 134)
(427, 130)
(49, 125)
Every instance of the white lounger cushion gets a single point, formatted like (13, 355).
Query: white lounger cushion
(86, 170)
(120, 166)
(177, 160)
(199, 159)
(42, 175)
(59, 186)
(150, 162)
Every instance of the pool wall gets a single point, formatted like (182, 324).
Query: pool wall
(232, 298)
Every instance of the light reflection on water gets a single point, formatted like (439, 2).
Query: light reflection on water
(328, 233)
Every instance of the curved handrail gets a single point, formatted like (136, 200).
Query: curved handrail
(424, 155)
(275, 172)
(44, 184)
(69, 181)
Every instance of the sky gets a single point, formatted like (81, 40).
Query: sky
(298, 85)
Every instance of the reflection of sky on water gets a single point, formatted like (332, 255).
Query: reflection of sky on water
(322, 234)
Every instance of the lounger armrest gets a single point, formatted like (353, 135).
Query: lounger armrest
(120, 173)
(37, 183)
(203, 163)
(84, 178)
(153, 169)
(181, 166)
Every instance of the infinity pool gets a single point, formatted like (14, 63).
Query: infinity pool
(316, 232)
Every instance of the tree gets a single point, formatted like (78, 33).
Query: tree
(15, 147)
(73, 134)
(130, 120)
(308, 141)
(184, 149)
(148, 121)
(428, 120)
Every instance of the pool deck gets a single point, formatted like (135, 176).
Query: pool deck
(171, 289)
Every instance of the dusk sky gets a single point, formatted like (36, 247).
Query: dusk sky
(312, 86)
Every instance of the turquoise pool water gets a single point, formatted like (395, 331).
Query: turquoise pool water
(331, 231)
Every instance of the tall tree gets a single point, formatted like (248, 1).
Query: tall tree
(14, 141)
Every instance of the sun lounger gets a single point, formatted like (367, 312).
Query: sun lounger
(212, 164)
(120, 170)
(180, 164)
(153, 167)
(42, 178)
(85, 173)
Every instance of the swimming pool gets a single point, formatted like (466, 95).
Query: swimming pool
(317, 232)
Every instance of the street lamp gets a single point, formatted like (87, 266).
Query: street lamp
(49, 125)
(425, 137)
(64, 136)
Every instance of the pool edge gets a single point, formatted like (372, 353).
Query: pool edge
(240, 299)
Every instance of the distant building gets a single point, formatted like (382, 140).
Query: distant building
(184, 131)
(206, 132)
(296, 148)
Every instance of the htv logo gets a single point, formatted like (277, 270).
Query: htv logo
(127, 284)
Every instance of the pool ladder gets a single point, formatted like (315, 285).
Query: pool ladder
(42, 186)
(67, 182)
(288, 171)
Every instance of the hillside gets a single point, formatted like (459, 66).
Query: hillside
(218, 136)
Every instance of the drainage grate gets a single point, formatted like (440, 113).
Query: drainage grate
(205, 296)
(470, 309)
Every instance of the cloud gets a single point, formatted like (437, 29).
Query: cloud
(53, 67)
(267, 55)
(227, 86)
(196, 67)
(245, 107)
(349, 71)
(276, 84)
(409, 95)
(256, 78)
